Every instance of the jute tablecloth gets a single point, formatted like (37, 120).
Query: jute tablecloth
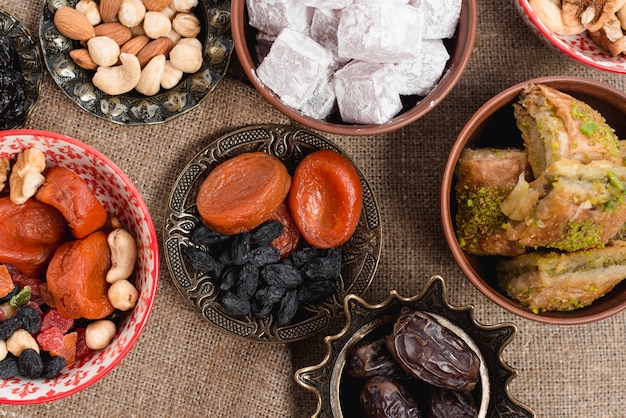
(183, 367)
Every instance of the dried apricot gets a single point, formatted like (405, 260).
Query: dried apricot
(71, 195)
(6, 282)
(289, 239)
(242, 192)
(326, 198)
(76, 277)
(29, 234)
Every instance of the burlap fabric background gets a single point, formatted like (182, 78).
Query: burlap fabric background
(183, 367)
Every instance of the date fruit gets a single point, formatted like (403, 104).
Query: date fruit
(429, 351)
(382, 397)
(370, 359)
(445, 403)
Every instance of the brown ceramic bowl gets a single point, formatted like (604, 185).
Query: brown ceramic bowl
(493, 125)
(459, 47)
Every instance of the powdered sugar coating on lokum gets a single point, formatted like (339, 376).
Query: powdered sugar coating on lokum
(441, 17)
(272, 16)
(294, 67)
(421, 75)
(327, 4)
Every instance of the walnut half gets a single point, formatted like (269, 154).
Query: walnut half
(26, 175)
(5, 165)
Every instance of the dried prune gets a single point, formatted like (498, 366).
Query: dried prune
(9, 326)
(431, 352)
(316, 290)
(266, 233)
(444, 403)
(328, 267)
(240, 248)
(234, 304)
(200, 260)
(52, 367)
(29, 318)
(262, 256)
(248, 281)
(12, 96)
(203, 235)
(372, 358)
(29, 364)
(382, 397)
(282, 275)
(8, 367)
(288, 307)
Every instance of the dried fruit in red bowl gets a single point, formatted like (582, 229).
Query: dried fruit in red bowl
(326, 198)
(243, 192)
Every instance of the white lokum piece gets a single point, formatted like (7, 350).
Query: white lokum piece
(323, 102)
(366, 92)
(272, 16)
(327, 4)
(441, 17)
(294, 66)
(263, 44)
(379, 32)
(323, 30)
(421, 75)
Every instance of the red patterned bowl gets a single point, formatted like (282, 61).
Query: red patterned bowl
(120, 198)
(578, 47)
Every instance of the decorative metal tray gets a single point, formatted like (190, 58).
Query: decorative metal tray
(289, 144)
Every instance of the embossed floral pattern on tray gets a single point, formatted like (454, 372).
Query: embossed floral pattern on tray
(290, 145)
(120, 198)
(133, 108)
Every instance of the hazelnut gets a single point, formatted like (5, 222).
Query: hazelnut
(186, 24)
(90, 9)
(123, 295)
(131, 12)
(103, 50)
(187, 55)
(99, 334)
(183, 5)
(156, 25)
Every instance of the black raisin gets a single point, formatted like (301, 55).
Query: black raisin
(229, 278)
(234, 304)
(9, 326)
(282, 275)
(30, 364)
(12, 96)
(288, 307)
(200, 260)
(270, 294)
(304, 254)
(262, 256)
(261, 309)
(240, 248)
(203, 235)
(8, 367)
(225, 257)
(29, 318)
(316, 290)
(328, 267)
(8, 56)
(248, 281)
(267, 233)
(52, 367)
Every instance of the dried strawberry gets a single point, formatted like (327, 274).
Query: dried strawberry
(50, 339)
(53, 318)
(68, 351)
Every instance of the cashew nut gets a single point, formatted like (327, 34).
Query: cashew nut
(123, 295)
(103, 50)
(19, 341)
(26, 175)
(90, 9)
(150, 80)
(3, 350)
(123, 255)
(550, 14)
(171, 76)
(5, 167)
(119, 79)
(99, 334)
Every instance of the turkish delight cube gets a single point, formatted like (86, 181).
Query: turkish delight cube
(263, 44)
(323, 101)
(272, 16)
(420, 76)
(323, 30)
(380, 31)
(366, 92)
(327, 4)
(441, 17)
(294, 66)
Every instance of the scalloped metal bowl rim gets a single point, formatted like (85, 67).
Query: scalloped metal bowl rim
(457, 64)
(39, 67)
(485, 111)
(154, 249)
(395, 296)
(560, 44)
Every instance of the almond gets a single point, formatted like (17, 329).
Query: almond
(82, 58)
(109, 9)
(161, 46)
(135, 45)
(73, 24)
(114, 30)
(156, 5)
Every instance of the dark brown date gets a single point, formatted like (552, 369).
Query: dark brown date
(445, 403)
(382, 397)
(372, 359)
(429, 351)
